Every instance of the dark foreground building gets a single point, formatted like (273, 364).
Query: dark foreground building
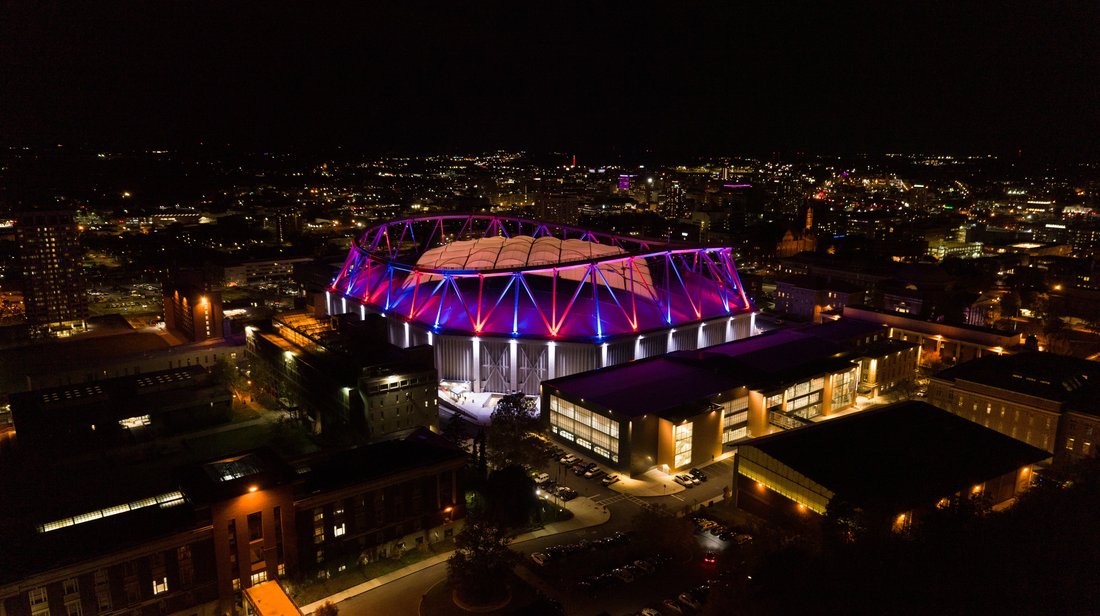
(189, 541)
(893, 463)
(120, 410)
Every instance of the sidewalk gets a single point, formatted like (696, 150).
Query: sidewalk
(585, 514)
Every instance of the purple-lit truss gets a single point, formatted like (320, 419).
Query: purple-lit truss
(630, 285)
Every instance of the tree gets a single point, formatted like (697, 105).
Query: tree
(327, 609)
(510, 434)
(843, 522)
(481, 563)
(510, 496)
(454, 429)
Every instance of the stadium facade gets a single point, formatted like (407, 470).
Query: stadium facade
(509, 302)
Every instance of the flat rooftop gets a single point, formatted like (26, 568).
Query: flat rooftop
(905, 454)
(1049, 376)
(666, 384)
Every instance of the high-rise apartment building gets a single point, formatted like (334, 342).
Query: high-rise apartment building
(50, 256)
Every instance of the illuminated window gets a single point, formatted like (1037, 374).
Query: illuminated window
(71, 586)
(682, 435)
(258, 577)
(160, 586)
(37, 597)
(339, 530)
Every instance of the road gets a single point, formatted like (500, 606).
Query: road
(402, 597)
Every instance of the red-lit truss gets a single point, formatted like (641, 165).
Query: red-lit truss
(630, 286)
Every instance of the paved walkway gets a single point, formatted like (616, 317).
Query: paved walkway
(585, 514)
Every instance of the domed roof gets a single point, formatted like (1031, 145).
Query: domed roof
(496, 252)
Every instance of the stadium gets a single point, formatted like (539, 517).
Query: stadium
(509, 302)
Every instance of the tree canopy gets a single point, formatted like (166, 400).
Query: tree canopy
(481, 563)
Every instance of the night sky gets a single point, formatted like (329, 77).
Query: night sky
(677, 77)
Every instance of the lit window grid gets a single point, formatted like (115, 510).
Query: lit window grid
(682, 435)
(766, 470)
(844, 388)
(171, 499)
(590, 430)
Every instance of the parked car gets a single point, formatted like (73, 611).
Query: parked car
(645, 566)
(648, 611)
(671, 606)
(690, 601)
(567, 494)
(539, 558)
(594, 473)
(684, 481)
(623, 574)
(698, 474)
(610, 479)
(568, 459)
(710, 558)
(742, 538)
(542, 478)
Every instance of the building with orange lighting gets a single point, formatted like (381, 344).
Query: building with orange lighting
(890, 464)
(194, 540)
(685, 409)
(194, 311)
(1043, 399)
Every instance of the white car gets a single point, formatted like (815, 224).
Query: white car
(542, 478)
(539, 558)
(684, 481)
(672, 606)
(568, 459)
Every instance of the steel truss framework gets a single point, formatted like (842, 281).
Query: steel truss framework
(655, 285)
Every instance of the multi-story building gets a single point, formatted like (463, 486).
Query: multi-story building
(193, 311)
(189, 542)
(1049, 401)
(341, 372)
(806, 297)
(885, 363)
(110, 411)
(686, 408)
(54, 293)
(939, 342)
(259, 272)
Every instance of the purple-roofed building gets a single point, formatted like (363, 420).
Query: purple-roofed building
(686, 408)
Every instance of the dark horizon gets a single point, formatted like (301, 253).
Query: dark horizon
(697, 80)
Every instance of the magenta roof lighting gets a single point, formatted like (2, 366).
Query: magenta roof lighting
(502, 276)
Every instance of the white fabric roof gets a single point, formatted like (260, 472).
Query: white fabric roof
(526, 251)
(519, 251)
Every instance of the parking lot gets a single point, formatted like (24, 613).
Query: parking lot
(654, 487)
